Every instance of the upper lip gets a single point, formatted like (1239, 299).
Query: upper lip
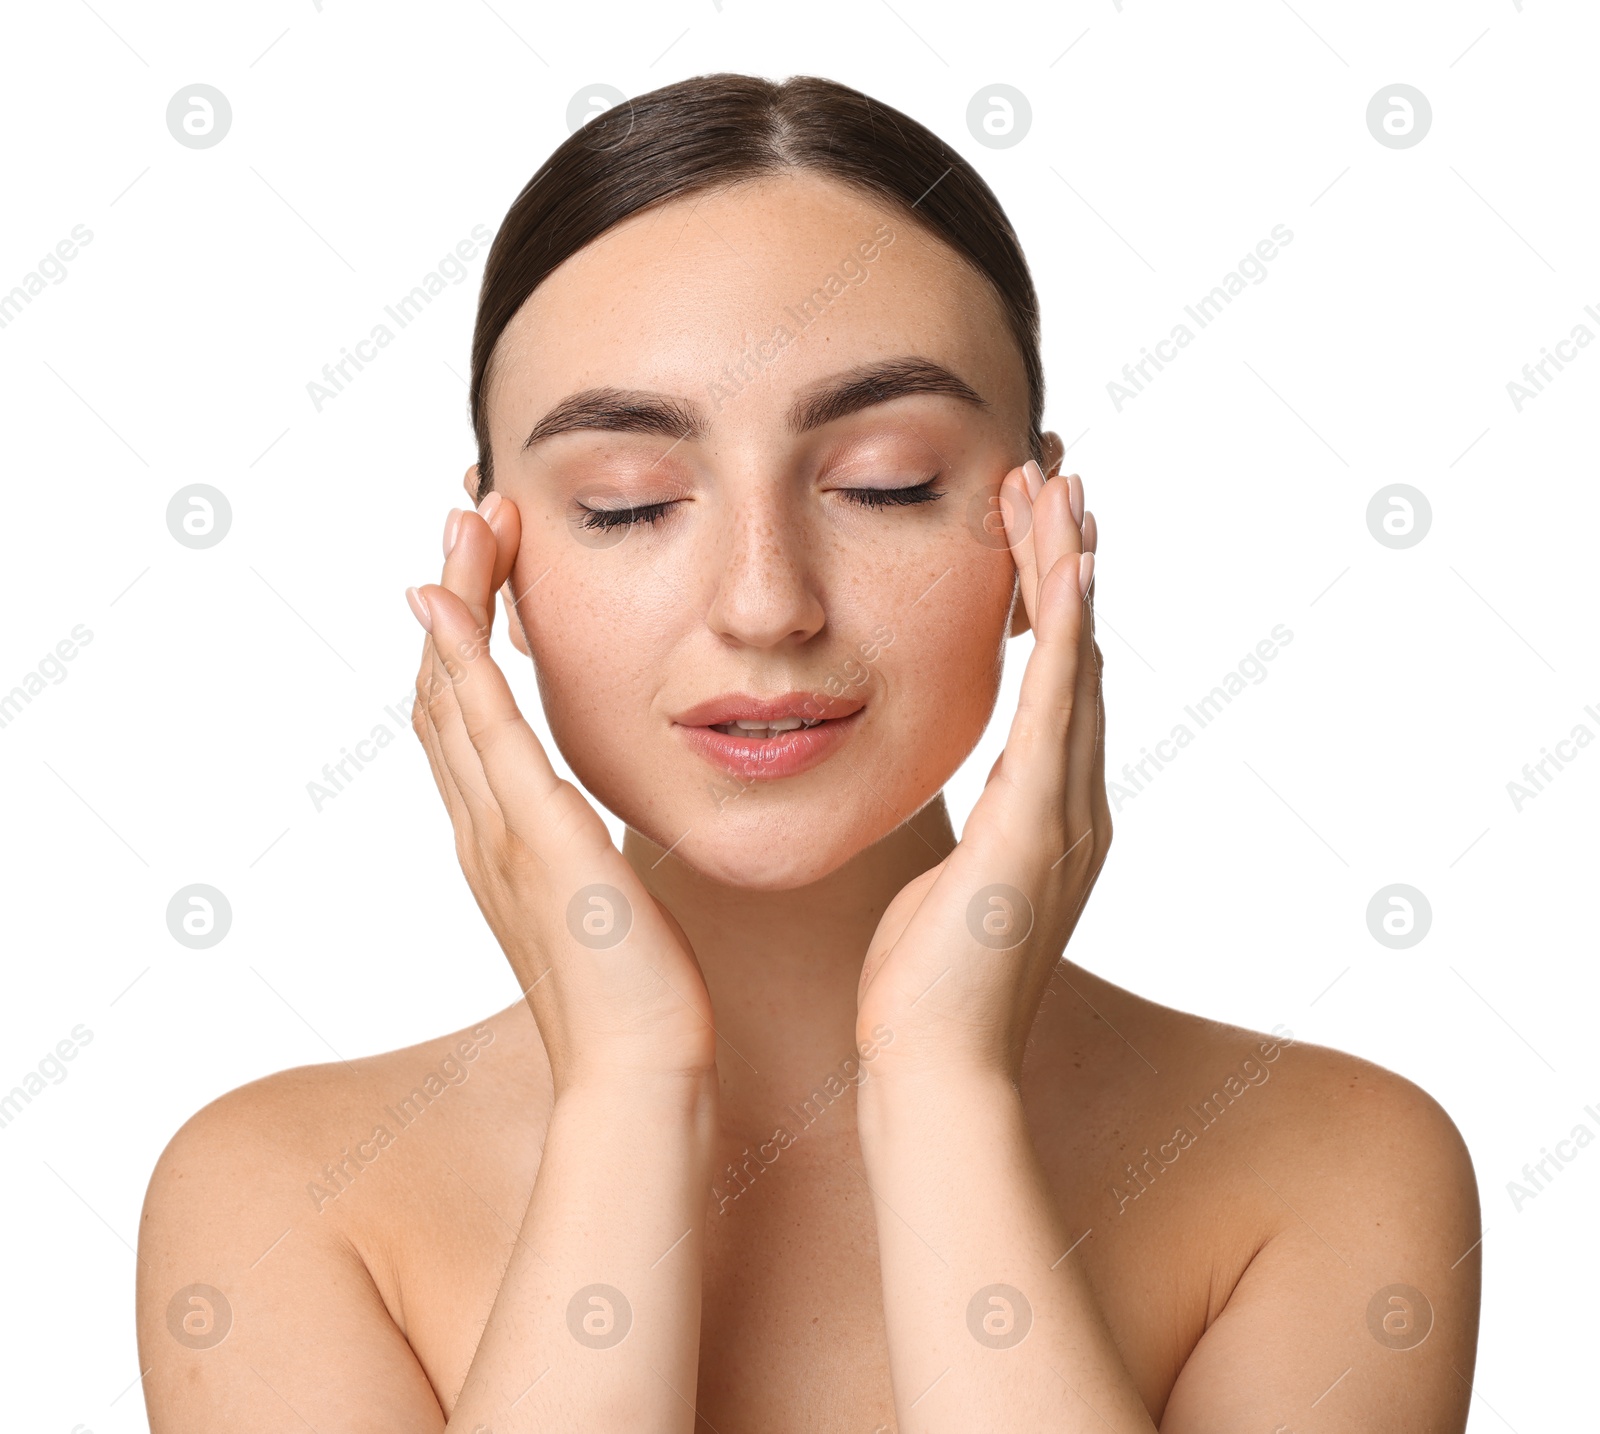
(743, 707)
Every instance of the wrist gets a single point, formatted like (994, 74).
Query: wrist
(683, 1099)
(910, 1098)
(917, 1058)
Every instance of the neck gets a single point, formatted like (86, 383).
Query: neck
(782, 967)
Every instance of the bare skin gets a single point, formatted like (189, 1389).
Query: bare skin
(792, 1336)
(913, 1119)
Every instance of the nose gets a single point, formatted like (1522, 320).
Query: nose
(765, 591)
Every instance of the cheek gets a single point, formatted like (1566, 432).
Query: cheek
(592, 649)
(947, 672)
(942, 672)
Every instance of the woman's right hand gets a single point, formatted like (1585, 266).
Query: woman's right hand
(606, 969)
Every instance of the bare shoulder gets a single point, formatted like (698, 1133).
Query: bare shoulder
(313, 1132)
(1351, 1128)
(1359, 1119)
(1367, 1145)
(270, 1224)
(1342, 1201)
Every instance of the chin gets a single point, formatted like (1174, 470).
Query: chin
(734, 863)
(766, 838)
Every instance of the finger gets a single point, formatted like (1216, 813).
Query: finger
(465, 798)
(490, 738)
(1016, 507)
(1091, 535)
(1089, 819)
(1085, 735)
(1075, 497)
(1029, 794)
(1099, 800)
(423, 728)
(480, 558)
(505, 521)
(423, 725)
(477, 552)
(1054, 531)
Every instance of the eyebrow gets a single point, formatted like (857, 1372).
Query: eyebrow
(618, 410)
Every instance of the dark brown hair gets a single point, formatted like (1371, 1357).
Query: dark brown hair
(719, 129)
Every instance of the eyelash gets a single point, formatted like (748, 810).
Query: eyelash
(923, 492)
(603, 518)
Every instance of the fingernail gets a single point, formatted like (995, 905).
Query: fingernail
(1035, 476)
(452, 530)
(487, 507)
(1085, 573)
(1075, 494)
(419, 606)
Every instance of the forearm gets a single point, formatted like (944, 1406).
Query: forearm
(963, 1206)
(619, 1203)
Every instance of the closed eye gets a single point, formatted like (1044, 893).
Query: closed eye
(894, 497)
(599, 519)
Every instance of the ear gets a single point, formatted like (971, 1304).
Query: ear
(1019, 611)
(470, 483)
(1054, 451)
(519, 639)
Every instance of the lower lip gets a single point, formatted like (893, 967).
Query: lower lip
(762, 758)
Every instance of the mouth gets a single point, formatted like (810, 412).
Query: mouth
(757, 738)
(764, 730)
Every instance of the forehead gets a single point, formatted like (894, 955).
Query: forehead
(756, 291)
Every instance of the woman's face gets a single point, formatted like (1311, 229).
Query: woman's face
(803, 545)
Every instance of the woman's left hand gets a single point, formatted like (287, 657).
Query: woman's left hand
(960, 959)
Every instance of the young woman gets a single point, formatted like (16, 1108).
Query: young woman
(801, 1120)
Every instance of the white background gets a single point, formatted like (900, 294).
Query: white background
(1166, 141)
